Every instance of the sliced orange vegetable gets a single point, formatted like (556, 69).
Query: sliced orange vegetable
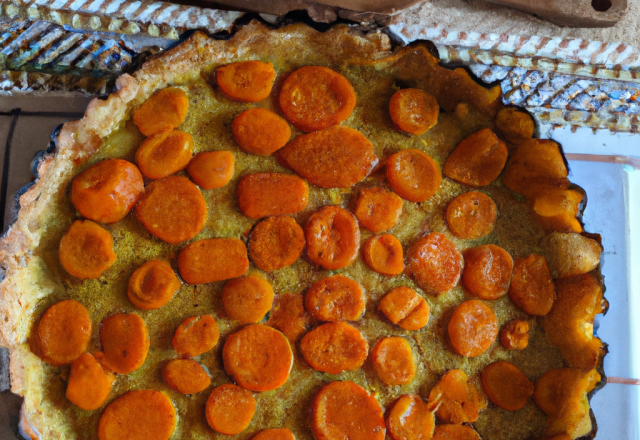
(344, 410)
(455, 400)
(164, 153)
(64, 332)
(336, 157)
(259, 131)
(196, 335)
(211, 169)
(213, 259)
(288, 316)
(316, 97)
(435, 263)
(473, 328)
(335, 298)
(274, 434)
(138, 415)
(333, 237)
(258, 358)
(557, 210)
(164, 110)
(152, 285)
(276, 243)
(410, 419)
(514, 126)
(487, 271)
(413, 175)
(413, 111)
(247, 299)
(89, 385)
(471, 215)
(268, 194)
(532, 287)
(506, 386)
(403, 306)
(246, 81)
(185, 376)
(107, 191)
(125, 342)
(172, 209)
(334, 347)
(393, 361)
(455, 432)
(378, 210)
(515, 334)
(86, 250)
(383, 254)
(230, 409)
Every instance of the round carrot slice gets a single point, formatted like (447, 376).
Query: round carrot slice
(487, 271)
(378, 210)
(266, 194)
(246, 81)
(213, 259)
(247, 299)
(455, 432)
(344, 410)
(333, 237)
(185, 376)
(336, 157)
(86, 250)
(276, 243)
(473, 328)
(64, 332)
(164, 153)
(532, 287)
(413, 175)
(230, 409)
(335, 298)
(410, 419)
(152, 285)
(383, 254)
(164, 110)
(196, 335)
(315, 97)
(259, 131)
(259, 358)
(478, 160)
(211, 169)
(435, 263)
(107, 191)
(413, 111)
(288, 316)
(403, 306)
(515, 334)
(506, 386)
(471, 215)
(89, 385)
(172, 209)
(455, 400)
(275, 434)
(138, 415)
(393, 361)
(334, 347)
(125, 342)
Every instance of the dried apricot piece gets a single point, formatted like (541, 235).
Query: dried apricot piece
(259, 131)
(258, 358)
(334, 347)
(86, 250)
(333, 237)
(164, 110)
(487, 271)
(213, 259)
(473, 328)
(229, 409)
(506, 386)
(316, 97)
(211, 169)
(455, 400)
(471, 215)
(246, 81)
(414, 175)
(336, 157)
(383, 254)
(344, 410)
(268, 194)
(435, 263)
(335, 298)
(152, 285)
(413, 111)
(478, 159)
(172, 209)
(247, 299)
(393, 361)
(556, 210)
(164, 153)
(125, 342)
(515, 126)
(455, 432)
(274, 434)
(185, 376)
(276, 243)
(403, 306)
(515, 334)
(64, 332)
(532, 287)
(288, 315)
(410, 419)
(89, 385)
(378, 210)
(107, 191)
(196, 335)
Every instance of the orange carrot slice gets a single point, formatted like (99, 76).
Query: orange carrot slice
(473, 328)
(247, 299)
(435, 263)
(393, 361)
(275, 434)
(288, 316)
(506, 386)
(413, 175)
(514, 126)
(276, 243)
(556, 210)
(125, 342)
(334, 347)
(196, 335)
(185, 376)
(455, 432)
(410, 419)
(455, 400)
(86, 250)
(230, 409)
(259, 131)
(64, 332)
(515, 334)
(333, 237)
(268, 194)
(89, 385)
(487, 271)
(164, 110)
(383, 254)
(378, 210)
(413, 111)
(532, 287)
(471, 215)
(211, 169)
(246, 81)
(403, 306)
(152, 285)
(213, 259)
(335, 298)
(164, 153)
